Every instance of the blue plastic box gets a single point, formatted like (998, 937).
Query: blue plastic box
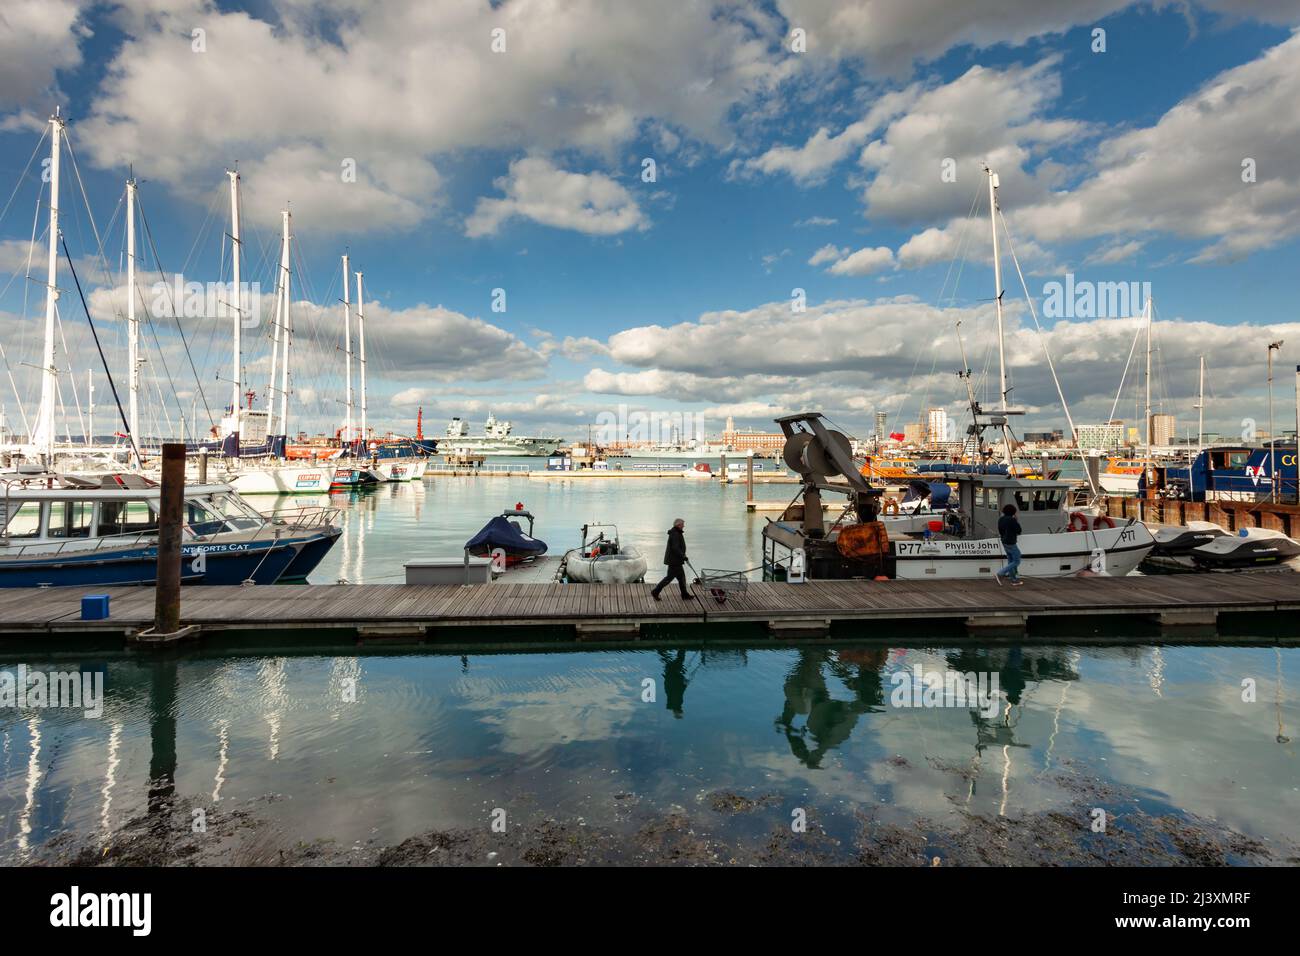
(94, 607)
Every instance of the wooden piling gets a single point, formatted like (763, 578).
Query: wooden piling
(167, 595)
(167, 589)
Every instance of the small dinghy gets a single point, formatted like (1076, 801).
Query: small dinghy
(603, 559)
(505, 534)
(1172, 553)
(1248, 550)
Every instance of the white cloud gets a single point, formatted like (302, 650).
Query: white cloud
(1150, 180)
(535, 189)
(864, 262)
(37, 38)
(889, 36)
(827, 253)
(395, 86)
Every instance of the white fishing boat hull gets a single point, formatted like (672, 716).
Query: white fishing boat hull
(1042, 555)
(627, 567)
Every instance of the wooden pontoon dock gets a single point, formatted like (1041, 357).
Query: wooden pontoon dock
(508, 613)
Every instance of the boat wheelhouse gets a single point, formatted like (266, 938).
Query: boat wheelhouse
(1229, 473)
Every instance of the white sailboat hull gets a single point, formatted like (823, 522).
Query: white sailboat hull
(285, 480)
(1043, 555)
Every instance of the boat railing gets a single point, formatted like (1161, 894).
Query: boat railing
(101, 542)
(301, 518)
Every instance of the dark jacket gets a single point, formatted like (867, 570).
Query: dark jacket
(1008, 530)
(675, 553)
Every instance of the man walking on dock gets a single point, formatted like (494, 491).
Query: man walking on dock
(675, 559)
(1009, 532)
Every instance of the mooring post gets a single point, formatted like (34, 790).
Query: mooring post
(724, 468)
(167, 594)
(203, 466)
(749, 478)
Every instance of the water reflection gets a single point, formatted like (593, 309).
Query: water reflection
(828, 721)
(385, 746)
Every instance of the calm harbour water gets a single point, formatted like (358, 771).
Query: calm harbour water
(437, 741)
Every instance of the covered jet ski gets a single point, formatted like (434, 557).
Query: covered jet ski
(1172, 553)
(1250, 549)
(506, 534)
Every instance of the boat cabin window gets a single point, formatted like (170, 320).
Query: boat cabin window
(1039, 500)
(201, 519)
(1229, 459)
(23, 519)
(70, 519)
(126, 517)
(238, 513)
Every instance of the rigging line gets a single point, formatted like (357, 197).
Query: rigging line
(148, 233)
(126, 426)
(72, 374)
(957, 256)
(1011, 247)
(23, 175)
(99, 244)
(1132, 349)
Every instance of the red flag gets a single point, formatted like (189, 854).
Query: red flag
(897, 436)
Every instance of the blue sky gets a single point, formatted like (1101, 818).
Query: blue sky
(776, 169)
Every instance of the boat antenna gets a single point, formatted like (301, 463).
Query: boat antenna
(135, 451)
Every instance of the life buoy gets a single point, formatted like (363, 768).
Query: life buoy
(1100, 520)
(1078, 521)
(890, 506)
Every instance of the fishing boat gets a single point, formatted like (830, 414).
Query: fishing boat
(1056, 539)
(602, 558)
(505, 541)
(876, 468)
(63, 530)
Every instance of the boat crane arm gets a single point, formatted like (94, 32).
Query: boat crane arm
(818, 454)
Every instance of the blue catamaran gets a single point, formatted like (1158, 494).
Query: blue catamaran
(64, 531)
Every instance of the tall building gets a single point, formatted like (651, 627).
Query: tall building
(881, 421)
(1104, 437)
(1164, 430)
(936, 429)
(914, 433)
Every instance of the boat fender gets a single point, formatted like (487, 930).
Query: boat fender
(890, 506)
(1100, 520)
(1078, 521)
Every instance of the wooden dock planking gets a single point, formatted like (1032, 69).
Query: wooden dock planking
(520, 604)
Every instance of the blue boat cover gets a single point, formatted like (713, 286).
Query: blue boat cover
(505, 534)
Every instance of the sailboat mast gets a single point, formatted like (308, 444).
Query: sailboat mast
(1200, 406)
(347, 345)
(132, 322)
(43, 433)
(997, 283)
(287, 324)
(237, 384)
(1148, 381)
(361, 334)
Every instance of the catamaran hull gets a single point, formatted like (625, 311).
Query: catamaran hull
(234, 563)
(1043, 555)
